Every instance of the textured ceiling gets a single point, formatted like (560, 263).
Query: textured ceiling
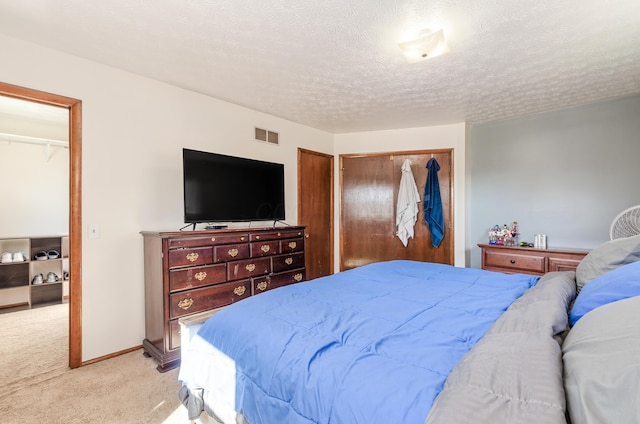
(335, 64)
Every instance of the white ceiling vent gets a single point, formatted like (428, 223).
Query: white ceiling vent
(266, 136)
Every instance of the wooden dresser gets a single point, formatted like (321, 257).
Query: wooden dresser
(529, 260)
(194, 271)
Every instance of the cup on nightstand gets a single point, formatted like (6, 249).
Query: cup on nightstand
(540, 241)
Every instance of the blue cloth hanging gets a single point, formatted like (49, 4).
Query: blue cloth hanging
(433, 215)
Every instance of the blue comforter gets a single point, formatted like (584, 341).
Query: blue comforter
(371, 345)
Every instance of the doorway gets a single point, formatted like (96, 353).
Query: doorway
(74, 107)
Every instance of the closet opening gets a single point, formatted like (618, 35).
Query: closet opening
(74, 241)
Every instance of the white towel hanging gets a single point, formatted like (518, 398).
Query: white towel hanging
(407, 206)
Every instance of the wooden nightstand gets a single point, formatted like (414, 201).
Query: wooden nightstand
(528, 260)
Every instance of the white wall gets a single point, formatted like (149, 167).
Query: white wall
(34, 190)
(133, 131)
(425, 138)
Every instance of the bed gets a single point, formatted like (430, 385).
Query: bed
(413, 342)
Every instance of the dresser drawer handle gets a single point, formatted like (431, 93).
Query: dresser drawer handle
(185, 303)
(298, 277)
(201, 275)
(233, 252)
(288, 261)
(239, 290)
(513, 261)
(250, 267)
(213, 239)
(265, 248)
(242, 238)
(262, 285)
(293, 244)
(192, 257)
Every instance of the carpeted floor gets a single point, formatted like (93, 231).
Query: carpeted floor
(36, 385)
(26, 360)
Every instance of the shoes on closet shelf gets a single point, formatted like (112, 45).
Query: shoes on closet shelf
(65, 275)
(41, 256)
(6, 258)
(37, 279)
(53, 254)
(52, 277)
(19, 257)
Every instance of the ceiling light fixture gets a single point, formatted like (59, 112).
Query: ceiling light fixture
(429, 44)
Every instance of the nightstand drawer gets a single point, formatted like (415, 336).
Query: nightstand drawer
(563, 264)
(529, 260)
(510, 262)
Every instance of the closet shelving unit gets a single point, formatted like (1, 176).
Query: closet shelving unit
(16, 278)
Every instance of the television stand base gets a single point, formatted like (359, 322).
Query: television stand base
(215, 227)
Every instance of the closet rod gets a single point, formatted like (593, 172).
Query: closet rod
(14, 138)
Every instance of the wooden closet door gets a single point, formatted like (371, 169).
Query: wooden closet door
(367, 210)
(369, 193)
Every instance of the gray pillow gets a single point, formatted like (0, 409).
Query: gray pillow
(601, 367)
(607, 257)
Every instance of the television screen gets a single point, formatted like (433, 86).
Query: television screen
(220, 188)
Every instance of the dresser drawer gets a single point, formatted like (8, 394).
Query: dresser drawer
(208, 240)
(286, 278)
(264, 248)
(248, 268)
(292, 245)
(276, 234)
(273, 281)
(230, 252)
(511, 262)
(197, 276)
(288, 262)
(260, 284)
(563, 264)
(202, 299)
(190, 257)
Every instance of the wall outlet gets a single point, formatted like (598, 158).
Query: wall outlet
(93, 231)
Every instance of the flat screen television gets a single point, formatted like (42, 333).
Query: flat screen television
(221, 188)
